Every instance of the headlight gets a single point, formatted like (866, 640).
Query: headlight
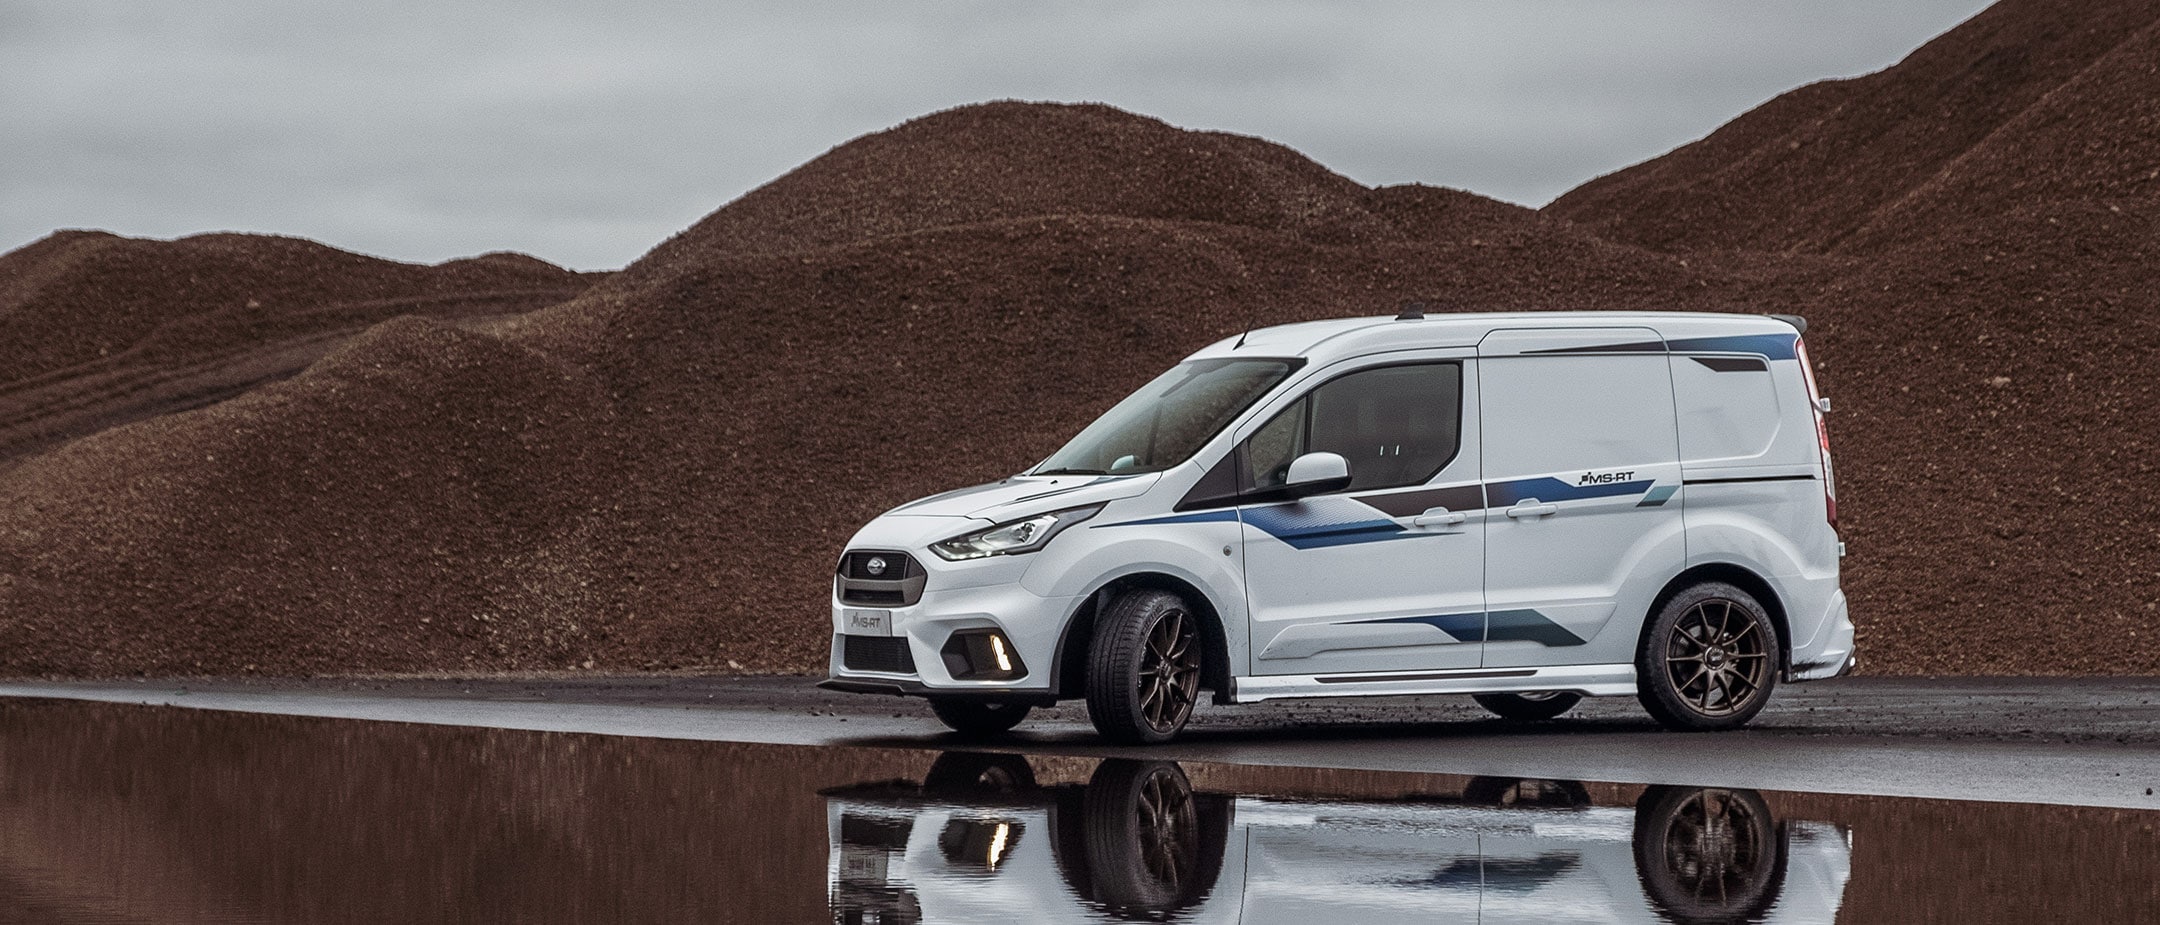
(1014, 538)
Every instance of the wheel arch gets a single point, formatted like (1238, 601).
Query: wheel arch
(1068, 672)
(1740, 577)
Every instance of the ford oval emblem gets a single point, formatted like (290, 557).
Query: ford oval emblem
(876, 565)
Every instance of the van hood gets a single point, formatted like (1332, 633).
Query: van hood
(1027, 495)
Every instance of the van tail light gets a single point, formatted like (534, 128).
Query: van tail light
(1818, 407)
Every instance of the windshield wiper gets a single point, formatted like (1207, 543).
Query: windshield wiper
(1068, 472)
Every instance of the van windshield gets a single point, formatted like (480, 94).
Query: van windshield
(1168, 420)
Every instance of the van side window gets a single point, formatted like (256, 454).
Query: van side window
(1564, 415)
(1396, 425)
(1270, 449)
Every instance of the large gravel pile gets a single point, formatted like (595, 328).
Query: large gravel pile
(658, 473)
(102, 330)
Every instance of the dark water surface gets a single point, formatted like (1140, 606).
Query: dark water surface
(145, 814)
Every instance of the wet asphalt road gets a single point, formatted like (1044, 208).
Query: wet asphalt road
(2089, 742)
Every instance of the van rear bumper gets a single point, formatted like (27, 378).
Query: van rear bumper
(1833, 656)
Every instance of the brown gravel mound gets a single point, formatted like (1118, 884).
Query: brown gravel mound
(2030, 100)
(105, 330)
(658, 473)
(369, 513)
(1008, 160)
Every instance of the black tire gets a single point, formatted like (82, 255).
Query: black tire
(1528, 707)
(1510, 792)
(1144, 668)
(976, 774)
(978, 717)
(1709, 659)
(1151, 846)
(1707, 854)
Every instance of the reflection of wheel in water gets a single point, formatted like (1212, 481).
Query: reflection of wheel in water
(962, 774)
(1708, 854)
(1531, 707)
(1515, 791)
(1144, 844)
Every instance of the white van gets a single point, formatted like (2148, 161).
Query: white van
(1525, 508)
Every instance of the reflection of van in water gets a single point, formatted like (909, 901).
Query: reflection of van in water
(1524, 508)
(979, 840)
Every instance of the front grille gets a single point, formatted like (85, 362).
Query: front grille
(877, 653)
(898, 565)
(898, 582)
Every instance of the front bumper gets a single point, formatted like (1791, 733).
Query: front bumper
(1031, 625)
(902, 687)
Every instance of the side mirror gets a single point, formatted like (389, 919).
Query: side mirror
(1316, 473)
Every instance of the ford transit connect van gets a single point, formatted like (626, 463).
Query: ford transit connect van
(1525, 508)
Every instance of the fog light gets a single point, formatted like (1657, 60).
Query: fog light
(981, 655)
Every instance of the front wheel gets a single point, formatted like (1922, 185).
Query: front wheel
(1708, 660)
(978, 717)
(1144, 668)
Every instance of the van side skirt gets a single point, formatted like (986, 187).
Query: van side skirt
(1588, 680)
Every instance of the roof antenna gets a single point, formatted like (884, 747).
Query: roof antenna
(1412, 311)
(1249, 313)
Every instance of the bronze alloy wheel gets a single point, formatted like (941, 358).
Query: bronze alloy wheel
(1170, 672)
(1145, 667)
(1716, 658)
(1709, 658)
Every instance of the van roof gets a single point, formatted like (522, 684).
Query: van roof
(1325, 341)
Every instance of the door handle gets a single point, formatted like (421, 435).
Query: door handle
(1437, 517)
(1531, 507)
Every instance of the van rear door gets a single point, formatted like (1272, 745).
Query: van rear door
(1581, 468)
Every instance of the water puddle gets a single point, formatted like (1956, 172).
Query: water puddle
(115, 814)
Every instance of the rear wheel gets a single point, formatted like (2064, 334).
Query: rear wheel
(1532, 706)
(1709, 659)
(1144, 668)
(978, 717)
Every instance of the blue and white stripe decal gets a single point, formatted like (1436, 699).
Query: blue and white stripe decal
(1773, 346)
(1495, 626)
(1317, 523)
(1547, 488)
(1326, 522)
(1203, 517)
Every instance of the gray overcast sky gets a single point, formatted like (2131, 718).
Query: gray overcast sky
(585, 133)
